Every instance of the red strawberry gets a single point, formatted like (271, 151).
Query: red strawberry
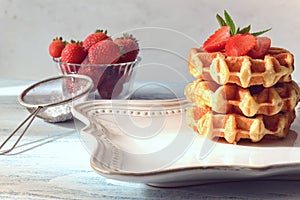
(56, 47)
(110, 89)
(85, 61)
(70, 86)
(104, 52)
(96, 73)
(240, 44)
(129, 48)
(93, 38)
(111, 86)
(73, 53)
(217, 41)
(261, 47)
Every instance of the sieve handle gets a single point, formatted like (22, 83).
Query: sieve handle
(30, 118)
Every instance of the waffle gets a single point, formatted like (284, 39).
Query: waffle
(231, 98)
(277, 66)
(233, 127)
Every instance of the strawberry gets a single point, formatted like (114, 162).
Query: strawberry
(93, 38)
(129, 48)
(110, 89)
(104, 52)
(56, 47)
(85, 61)
(240, 44)
(96, 73)
(112, 83)
(73, 53)
(70, 86)
(217, 41)
(261, 47)
(237, 41)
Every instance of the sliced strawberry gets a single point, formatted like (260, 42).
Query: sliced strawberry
(261, 47)
(240, 44)
(217, 41)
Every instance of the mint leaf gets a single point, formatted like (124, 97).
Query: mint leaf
(230, 23)
(221, 21)
(260, 32)
(245, 30)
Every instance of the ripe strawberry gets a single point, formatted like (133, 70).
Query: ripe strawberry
(73, 53)
(56, 47)
(129, 48)
(85, 61)
(110, 89)
(93, 38)
(70, 86)
(104, 52)
(240, 44)
(112, 84)
(236, 37)
(96, 73)
(261, 47)
(217, 41)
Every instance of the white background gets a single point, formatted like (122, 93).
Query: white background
(28, 26)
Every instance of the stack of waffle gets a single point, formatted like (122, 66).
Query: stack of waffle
(240, 97)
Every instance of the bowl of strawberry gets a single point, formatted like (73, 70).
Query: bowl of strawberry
(109, 62)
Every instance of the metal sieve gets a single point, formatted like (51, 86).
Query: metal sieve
(51, 100)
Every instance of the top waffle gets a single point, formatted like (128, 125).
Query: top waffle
(244, 71)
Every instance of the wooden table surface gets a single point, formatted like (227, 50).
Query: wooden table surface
(51, 163)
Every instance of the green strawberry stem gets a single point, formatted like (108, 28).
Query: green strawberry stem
(101, 30)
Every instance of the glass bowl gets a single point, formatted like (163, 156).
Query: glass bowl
(111, 81)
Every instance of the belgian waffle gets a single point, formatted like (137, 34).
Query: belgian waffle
(233, 127)
(231, 98)
(277, 66)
